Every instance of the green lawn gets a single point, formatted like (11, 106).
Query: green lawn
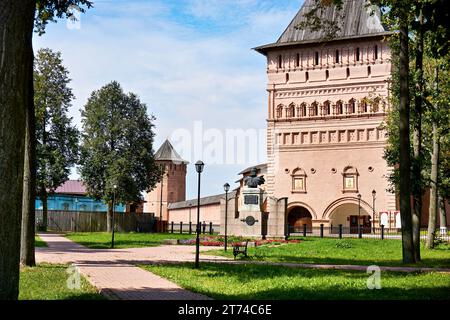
(344, 251)
(49, 282)
(102, 240)
(38, 242)
(247, 282)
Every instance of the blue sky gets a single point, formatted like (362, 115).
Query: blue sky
(190, 61)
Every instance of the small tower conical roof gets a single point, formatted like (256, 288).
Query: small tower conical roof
(167, 153)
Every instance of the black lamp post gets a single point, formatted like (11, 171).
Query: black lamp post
(359, 213)
(199, 168)
(226, 187)
(374, 194)
(113, 213)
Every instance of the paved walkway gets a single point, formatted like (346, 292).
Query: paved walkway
(114, 272)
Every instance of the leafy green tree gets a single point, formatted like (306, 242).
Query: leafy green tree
(57, 138)
(17, 20)
(117, 147)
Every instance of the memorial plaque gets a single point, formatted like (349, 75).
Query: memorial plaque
(251, 199)
(250, 220)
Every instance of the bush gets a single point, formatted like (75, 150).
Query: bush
(343, 244)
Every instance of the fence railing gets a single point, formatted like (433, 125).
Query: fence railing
(82, 221)
(340, 231)
(190, 228)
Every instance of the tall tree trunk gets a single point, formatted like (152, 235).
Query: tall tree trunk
(433, 210)
(417, 144)
(442, 216)
(109, 217)
(405, 157)
(29, 191)
(16, 70)
(44, 199)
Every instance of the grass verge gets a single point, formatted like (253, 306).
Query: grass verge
(102, 240)
(50, 282)
(344, 251)
(248, 282)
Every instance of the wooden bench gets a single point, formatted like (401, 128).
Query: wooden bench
(240, 248)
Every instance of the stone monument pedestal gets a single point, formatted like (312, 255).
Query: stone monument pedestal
(250, 215)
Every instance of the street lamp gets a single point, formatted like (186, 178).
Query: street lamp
(374, 194)
(113, 212)
(161, 205)
(226, 187)
(359, 213)
(199, 165)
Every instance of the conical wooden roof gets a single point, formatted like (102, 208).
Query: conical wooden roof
(356, 19)
(167, 153)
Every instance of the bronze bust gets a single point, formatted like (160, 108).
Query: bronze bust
(252, 181)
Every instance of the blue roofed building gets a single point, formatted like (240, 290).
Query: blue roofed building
(72, 196)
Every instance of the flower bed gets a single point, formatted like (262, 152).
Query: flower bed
(218, 241)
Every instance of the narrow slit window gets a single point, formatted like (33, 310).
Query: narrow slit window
(327, 74)
(280, 61)
(348, 73)
(307, 76)
(376, 52)
(316, 58)
(297, 63)
(337, 56)
(358, 54)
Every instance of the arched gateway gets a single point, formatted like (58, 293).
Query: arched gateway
(298, 216)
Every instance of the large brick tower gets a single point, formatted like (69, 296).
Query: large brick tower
(172, 187)
(327, 101)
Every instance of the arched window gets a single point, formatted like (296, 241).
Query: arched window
(314, 110)
(339, 108)
(375, 105)
(350, 179)
(302, 110)
(363, 106)
(351, 106)
(298, 181)
(290, 111)
(280, 111)
(326, 108)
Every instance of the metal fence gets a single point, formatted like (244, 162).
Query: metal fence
(82, 221)
(358, 232)
(189, 228)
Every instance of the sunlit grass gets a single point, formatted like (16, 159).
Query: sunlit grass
(250, 281)
(49, 282)
(102, 240)
(312, 250)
